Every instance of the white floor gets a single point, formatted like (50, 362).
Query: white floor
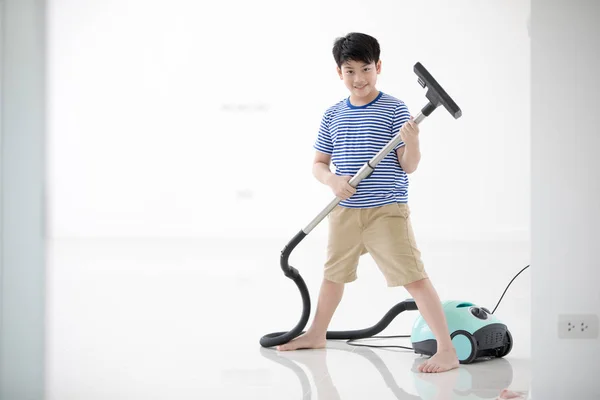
(182, 319)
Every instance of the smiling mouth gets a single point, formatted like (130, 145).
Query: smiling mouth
(360, 87)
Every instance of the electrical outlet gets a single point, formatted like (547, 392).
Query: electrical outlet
(578, 326)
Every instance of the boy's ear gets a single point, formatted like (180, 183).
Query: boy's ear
(339, 71)
(378, 67)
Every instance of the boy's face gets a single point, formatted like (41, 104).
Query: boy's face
(359, 77)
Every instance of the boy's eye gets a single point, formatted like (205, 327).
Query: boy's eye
(367, 69)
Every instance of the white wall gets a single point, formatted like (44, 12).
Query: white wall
(565, 194)
(22, 163)
(198, 120)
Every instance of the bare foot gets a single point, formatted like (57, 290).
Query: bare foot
(509, 394)
(306, 341)
(443, 360)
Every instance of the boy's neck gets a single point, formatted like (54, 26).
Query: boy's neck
(361, 101)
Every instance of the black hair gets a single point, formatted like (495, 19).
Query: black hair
(356, 47)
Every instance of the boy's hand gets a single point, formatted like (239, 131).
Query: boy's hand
(410, 132)
(340, 186)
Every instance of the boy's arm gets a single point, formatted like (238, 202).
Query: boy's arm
(409, 155)
(321, 169)
(338, 184)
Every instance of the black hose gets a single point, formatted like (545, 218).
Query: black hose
(277, 338)
(406, 305)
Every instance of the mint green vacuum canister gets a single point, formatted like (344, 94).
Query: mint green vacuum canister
(475, 332)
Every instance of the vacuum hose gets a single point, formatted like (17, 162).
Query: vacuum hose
(277, 338)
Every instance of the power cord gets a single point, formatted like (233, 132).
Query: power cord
(352, 341)
(507, 288)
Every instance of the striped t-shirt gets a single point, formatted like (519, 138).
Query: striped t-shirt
(353, 135)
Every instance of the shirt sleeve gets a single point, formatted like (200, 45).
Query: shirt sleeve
(401, 115)
(324, 143)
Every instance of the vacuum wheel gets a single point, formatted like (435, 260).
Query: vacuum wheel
(465, 345)
(508, 344)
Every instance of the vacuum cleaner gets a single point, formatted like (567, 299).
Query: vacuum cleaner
(474, 331)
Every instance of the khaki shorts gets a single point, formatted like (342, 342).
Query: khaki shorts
(384, 232)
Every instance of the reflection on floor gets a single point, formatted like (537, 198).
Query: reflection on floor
(479, 380)
(182, 319)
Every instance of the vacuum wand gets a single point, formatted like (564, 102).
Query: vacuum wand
(362, 173)
(437, 96)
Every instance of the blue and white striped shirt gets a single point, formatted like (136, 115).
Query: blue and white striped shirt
(353, 135)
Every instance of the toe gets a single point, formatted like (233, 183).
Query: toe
(283, 347)
(509, 394)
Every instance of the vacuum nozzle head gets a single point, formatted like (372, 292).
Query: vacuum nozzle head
(435, 94)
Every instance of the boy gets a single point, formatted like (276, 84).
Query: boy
(374, 217)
